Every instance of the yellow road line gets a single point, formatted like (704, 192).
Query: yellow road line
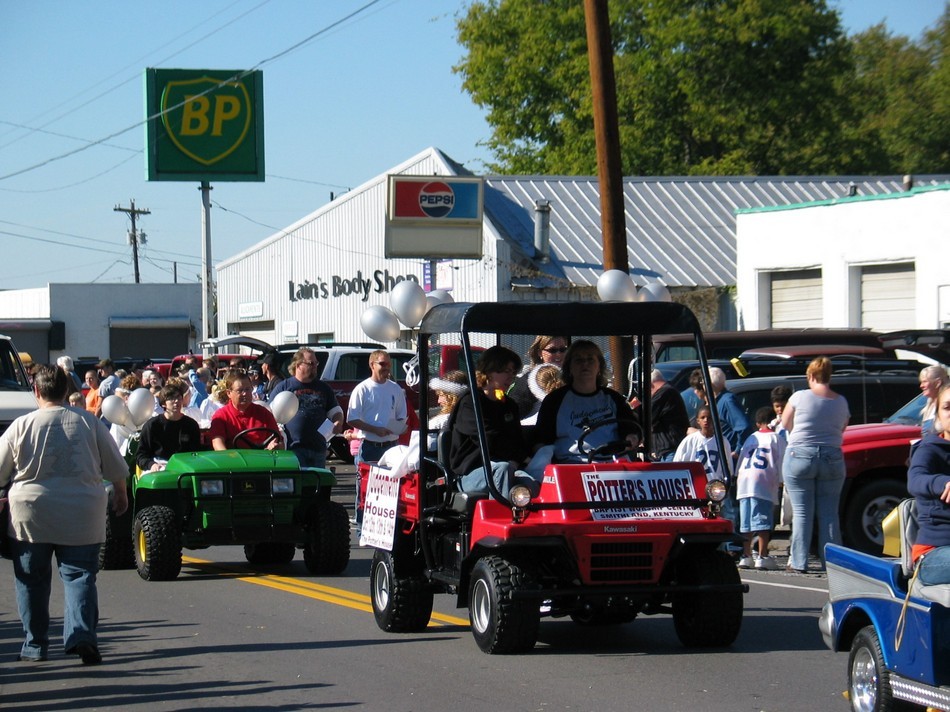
(301, 587)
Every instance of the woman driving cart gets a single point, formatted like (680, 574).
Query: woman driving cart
(583, 402)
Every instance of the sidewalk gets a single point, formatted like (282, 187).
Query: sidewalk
(778, 548)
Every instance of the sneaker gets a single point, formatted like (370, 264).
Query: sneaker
(766, 563)
(746, 562)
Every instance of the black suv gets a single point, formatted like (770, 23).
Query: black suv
(871, 396)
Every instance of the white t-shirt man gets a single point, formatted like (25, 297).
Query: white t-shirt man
(380, 404)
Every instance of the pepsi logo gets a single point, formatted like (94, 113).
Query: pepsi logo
(436, 199)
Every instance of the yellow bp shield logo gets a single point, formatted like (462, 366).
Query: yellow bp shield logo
(207, 119)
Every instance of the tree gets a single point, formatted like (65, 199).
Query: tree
(703, 87)
(527, 64)
(902, 88)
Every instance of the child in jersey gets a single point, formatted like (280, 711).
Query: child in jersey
(701, 446)
(758, 475)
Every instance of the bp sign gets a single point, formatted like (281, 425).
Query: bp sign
(205, 125)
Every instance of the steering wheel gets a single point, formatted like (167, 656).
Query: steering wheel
(250, 444)
(611, 448)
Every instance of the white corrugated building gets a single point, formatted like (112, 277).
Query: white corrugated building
(874, 262)
(312, 281)
(137, 321)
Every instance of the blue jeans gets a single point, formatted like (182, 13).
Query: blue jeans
(33, 568)
(814, 476)
(505, 477)
(934, 567)
(369, 452)
(310, 458)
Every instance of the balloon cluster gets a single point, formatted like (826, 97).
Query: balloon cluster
(132, 414)
(409, 304)
(615, 285)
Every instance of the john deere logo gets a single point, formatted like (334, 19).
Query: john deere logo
(206, 119)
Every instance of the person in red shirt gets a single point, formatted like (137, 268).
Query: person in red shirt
(242, 413)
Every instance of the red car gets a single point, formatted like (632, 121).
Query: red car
(876, 455)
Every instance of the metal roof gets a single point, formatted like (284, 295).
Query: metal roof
(680, 230)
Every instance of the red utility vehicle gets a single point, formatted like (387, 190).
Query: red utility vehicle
(603, 541)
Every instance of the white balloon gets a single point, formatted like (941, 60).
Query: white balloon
(615, 285)
(408, 301)
(284, 406)
(654, 292)
(380, 324)
(116, 411)
(141, 405)
(443, 296)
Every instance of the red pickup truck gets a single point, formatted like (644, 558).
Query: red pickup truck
(876, 455)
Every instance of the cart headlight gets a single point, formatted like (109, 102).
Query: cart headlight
(520, 496)
(212, 487)
(716, 490)
(283, 485)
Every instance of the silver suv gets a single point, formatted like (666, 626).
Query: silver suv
(16, 394)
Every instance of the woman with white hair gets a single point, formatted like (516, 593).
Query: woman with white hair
(66, 363)
(932, 380)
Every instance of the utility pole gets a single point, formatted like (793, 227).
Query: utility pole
(132, 212)
(610, 173)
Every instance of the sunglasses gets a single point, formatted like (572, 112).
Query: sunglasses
(556, 350)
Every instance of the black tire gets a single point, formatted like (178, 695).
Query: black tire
(270, 552)
(501, 625)
(328, 548)
(402, 602)
(117, 551)
(157, 540)
(707, 619)
(868, 504)
(869, 681)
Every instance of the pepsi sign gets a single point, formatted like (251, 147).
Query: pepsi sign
(436, 199)
(427, 198)
(433, 217)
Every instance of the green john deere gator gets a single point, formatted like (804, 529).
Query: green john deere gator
(262, 499)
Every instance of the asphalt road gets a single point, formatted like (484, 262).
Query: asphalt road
(225, 637)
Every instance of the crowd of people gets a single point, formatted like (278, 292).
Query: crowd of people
(556, 409)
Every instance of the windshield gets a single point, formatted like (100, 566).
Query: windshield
(910, 414)
(12, 375)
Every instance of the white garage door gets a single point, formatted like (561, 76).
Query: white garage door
(796, 299)
(887, 296)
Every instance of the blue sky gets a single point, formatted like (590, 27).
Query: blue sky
(348, 105)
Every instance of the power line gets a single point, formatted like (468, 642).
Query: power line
(230, 80)
(132, 78)
(311, 182)
(93, 249)
(87, 179)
